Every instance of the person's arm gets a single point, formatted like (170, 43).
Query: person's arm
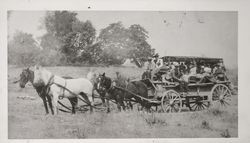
(161, 62)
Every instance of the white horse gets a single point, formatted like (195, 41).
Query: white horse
(60, 87)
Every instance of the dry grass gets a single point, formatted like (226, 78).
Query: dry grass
(26, 117)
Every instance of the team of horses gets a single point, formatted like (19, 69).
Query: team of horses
(52, 88)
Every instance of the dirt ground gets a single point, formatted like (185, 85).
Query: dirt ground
(27, 119)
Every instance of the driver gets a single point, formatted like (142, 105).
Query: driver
(158, 63)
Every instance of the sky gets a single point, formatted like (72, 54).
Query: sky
(210, 34)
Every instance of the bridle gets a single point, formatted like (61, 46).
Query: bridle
(107, 89)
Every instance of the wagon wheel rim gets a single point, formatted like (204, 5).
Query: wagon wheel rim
(221, 95)
(171, 102)
(198, 104)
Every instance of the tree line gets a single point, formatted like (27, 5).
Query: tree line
(69, 40)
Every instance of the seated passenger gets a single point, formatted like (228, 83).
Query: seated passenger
(220, 73)
(193, 70)
(183, 67)
(206, 75)
(207, 70)
(167, 77)
(184, 80)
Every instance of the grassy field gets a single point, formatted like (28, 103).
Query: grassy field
(26, 119)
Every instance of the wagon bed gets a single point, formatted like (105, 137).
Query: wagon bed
(200, 95)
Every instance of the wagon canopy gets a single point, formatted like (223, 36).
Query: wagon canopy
(206, 60)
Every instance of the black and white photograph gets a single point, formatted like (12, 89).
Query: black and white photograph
(122, 74)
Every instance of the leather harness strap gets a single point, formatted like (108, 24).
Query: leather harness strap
(62, 96)
(46, 88)
(51, 82)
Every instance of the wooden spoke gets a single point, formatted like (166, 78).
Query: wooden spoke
(171, 101)
(198, 104)
(222, 94)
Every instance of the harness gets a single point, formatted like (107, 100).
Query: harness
(62, 96)
(51, 82)
(46, 88)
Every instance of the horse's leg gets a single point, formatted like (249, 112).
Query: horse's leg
(85, 97)
(119, 106)
(108, 108)
(130, 104)
(45, 104)
(55, 101)
(73, 102)
(122, 103)
(50, 104)
(103, 98)
(40, 92)
(93, 97)
(118, 101)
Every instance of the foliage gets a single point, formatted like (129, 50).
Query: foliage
(119, 43)
(59, 23)
(48, 41)
(91, 54)
(114, 41)
(140, 47)
(50, 57)
(22, 49)
(71, 41)
(76, 37)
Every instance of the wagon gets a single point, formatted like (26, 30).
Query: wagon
(200, 95)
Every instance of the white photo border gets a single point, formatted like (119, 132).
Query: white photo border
(241, 6)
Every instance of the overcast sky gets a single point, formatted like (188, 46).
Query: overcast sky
(210, 34)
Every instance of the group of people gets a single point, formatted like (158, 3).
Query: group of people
(184, 71)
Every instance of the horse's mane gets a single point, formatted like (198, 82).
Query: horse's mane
(120, 80)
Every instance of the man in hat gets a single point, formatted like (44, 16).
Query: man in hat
(158, 63)
(220, 72)
(149, 66)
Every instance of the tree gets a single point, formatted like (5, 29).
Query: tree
(139, 47)
(119, 43)
(78, 42)
(114, 41)
(92, 54)
(50, 42)
(86, 31)
(59, 23)
(22, 49)
(71, 35)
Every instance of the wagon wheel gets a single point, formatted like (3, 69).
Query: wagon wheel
(171, 101)
(221, 94)
(198, 104)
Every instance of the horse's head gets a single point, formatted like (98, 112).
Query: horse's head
(25, 76)
(103, 83)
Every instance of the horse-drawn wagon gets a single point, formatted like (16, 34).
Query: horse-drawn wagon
(197, 93)
(173, 87)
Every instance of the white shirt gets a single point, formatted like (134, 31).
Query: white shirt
(207, 70)
(193, 71)
(159, 63)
